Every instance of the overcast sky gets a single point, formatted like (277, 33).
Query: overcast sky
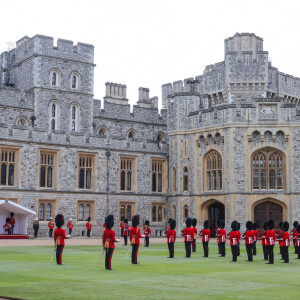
(148, 43)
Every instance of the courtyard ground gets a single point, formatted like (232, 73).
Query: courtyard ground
(26, 273)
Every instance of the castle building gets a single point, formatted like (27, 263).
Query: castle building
(225, 145)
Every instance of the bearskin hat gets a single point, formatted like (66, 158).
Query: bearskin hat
(59, 220)
(109, 222)
(218, 223)
(188, 222)
(280, 225)
(249, 225)
(122, 218)
(206, 224)
(135, 220)
(7, 220)
(12, 214)
(239, 226)
(295, 224)
(234, 225)
(147, 223)
(89, 219)
(172, 224)
(222, 224)
(286, 226)
(254, 226)
(194, 222)
(265, 226)
(270, 224)
(298, 228)
(169, 222)
(125, 221)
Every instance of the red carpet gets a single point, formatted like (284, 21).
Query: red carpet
(13, 237)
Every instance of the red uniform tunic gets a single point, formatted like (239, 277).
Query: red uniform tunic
(194, 229)
(70, 225)
(88, 226)
(279, 233)
(171, 236)
(59, 236)
(5, 226)
(205, 235)
(12, 221)
(188, 234)
(147, 231)
(122, 225)
(222, 236)
(126, 229)
(234, 238)
(135, 235)
(109, 239)
(104, 226)
(285, 239)
(294, 233)
(51, 224)
(297, 243)
(239, 236)
(255, 235)
(248, 237)
(263, 239)
(270, 237)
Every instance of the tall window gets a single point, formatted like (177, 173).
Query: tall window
(54, 112)
(74, 81)
(213, 164)
(126, 210)
(85, 171)
(186, 212)
(46, 209)
(268, 169)
(102, 132)
(54, 78)
(85, 210)
(158, 212)
(158, 176)
(8, 159)
(174, 179)
(185, 179)
(47, 163)
(74, 117)
(127, 174)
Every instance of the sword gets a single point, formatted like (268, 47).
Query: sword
(127, 253)
(53, 255)
(100, 259)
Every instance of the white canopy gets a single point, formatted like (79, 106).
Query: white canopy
(21, 215)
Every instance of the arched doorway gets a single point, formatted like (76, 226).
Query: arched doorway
(216, 212)
(267, 210)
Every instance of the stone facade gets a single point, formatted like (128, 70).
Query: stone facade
(235, 108)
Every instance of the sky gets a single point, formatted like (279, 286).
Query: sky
(146, 43)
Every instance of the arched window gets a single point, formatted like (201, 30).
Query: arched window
(102, 132)
(80, 212)
(159, 214)
(74, 117)
(41, 212)
(54, 78)
(54, 114)
(185, 179)
(186, 212)
(213, 165)
(174, 179)
(21, 122)
(74, 81)
(153, 213)
(268, 169)
(131, 134)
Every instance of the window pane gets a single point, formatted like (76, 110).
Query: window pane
(153, 213)
(48, 212)
(122, 211)
(186, 211)
(214, 180)
(128, 181)
(279, 179)
(73, 112)
(185, 179)
(52, 124)
(74, 82)
(129, 212)
(220, 180)
(159, 183)
(53, 110)
(88, 178)
(80, 212)
(49, 177)
(272, 179)
(81, 179)
(43, 177)
(87, 212)
(41, 212)
(123, 181)
(153, 182)
(263, 179)
(3, 174)
(11, 175)
(255, 179)
(159, 213)
(209, 181)
(54, 78)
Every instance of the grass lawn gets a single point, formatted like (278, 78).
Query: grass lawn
(26, 273)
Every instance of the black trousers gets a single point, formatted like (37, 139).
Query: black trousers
(285, 254)
(270, 253)
(122, 233)
(238, 249)
(298, 251)
(249, 252)
(188, 249)
(222, 249)
(70, 231)
(59, 251)
(35, 233)
(219, 246)
(12, 230)
(234, 251)
(125, 239)
(135, 250)
(147, 241)
(108, 255)
(194, 245)
(254, 248)
(205, 248)
(265, 252)
(294, 242)
(171, 249)
(50, 232)
(89, 232)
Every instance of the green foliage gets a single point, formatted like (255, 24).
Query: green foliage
(26, 272)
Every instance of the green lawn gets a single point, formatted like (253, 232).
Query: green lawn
(26, 273)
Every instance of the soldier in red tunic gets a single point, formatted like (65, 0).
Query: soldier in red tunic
(12, 222)
(171, 238)
(205, 233)
(194, 229)
(297, 242)
(88, 227)
(125, 231)
(188, 237)
(109, 240)
(122, 225)
(217, 235)
(278, 236)
(51, 226)
(270, 241)
(255, 238)
(294, 233)
(285, 242)
(263, 240)
(7, 226)
(134, 237)
(234, 237)
(248, 236)
(70, 226)
(59, 238)
(147, 233)
(222, 238)
(239, 239)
